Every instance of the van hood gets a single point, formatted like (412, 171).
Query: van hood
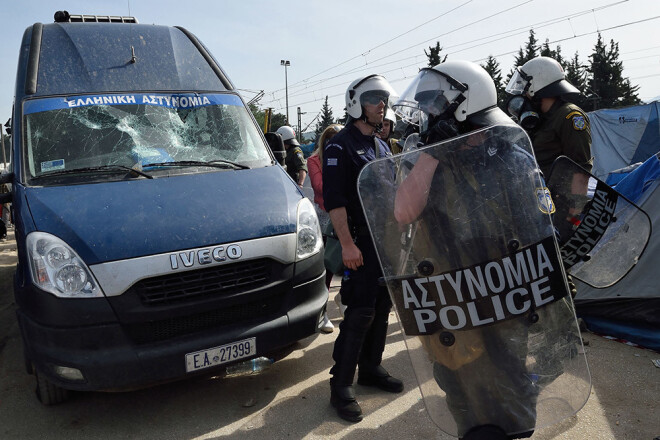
(128, 219)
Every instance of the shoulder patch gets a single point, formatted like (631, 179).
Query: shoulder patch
(579, 123)
(574, 113)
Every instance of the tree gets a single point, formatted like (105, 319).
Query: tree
(433, 55)
(607, 88)
(276, 119)
(326, 119)
(530, 52)
(576, 74)
(545, 51)
(493, 69)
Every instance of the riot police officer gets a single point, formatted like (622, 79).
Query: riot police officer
(362, 333)
(296, 165)
(481, 370)
(541, 103)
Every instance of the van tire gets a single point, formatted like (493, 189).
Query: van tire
(47, 392)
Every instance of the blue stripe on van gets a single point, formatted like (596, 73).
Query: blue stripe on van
(179, 101)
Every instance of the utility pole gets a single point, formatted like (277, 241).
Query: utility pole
(300, 125)
(286, 64)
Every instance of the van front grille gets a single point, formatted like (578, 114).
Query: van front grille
(222, 280)
(154, 331)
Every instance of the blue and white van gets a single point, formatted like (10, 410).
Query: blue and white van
(157, 236)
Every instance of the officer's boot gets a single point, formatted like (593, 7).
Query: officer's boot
(346, 353)
(371, 373)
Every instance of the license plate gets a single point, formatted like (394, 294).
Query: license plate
(220, 355)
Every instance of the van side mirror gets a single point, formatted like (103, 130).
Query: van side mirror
(276, 145)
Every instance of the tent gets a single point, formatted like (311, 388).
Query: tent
(626, 146)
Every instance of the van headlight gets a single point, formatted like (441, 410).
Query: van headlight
(56, 268)
(308, 230)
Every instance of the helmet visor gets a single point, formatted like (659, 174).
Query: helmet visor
(426, 95)
(374, 97)
(518, 83)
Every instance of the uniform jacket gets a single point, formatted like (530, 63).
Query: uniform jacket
(345, 155)
(563, 131)
(295, 161)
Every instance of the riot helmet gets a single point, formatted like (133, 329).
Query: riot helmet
(461, 90)
(288, 135)
(371, 89)
(541, 77)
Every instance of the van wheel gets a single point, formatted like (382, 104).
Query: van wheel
(47, 392)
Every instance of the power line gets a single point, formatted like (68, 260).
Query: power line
(490, 38)
(514, 51)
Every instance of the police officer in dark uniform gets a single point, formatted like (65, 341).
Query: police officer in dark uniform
(541, 104)
(362, 333)
(295, 162)
(486, 385)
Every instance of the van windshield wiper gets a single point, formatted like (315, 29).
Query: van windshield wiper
(217, 163)
(102, 168)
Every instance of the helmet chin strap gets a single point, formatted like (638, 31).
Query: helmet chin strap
(377, 127)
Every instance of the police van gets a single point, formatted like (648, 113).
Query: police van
(157, 236)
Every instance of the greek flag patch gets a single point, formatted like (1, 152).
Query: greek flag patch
(331, 162)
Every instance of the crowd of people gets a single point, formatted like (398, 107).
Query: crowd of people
(452, 99)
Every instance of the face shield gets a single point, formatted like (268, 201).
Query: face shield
(430, 94)
(518, 84)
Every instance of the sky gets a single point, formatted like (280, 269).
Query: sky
(331, 43)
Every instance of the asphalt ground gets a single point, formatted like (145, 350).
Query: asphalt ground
(290, 399)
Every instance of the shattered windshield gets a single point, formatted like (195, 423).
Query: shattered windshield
(136, 130)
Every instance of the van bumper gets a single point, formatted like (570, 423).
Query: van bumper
(110, 361)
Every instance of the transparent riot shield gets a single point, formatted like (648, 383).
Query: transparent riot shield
(601, 234)
(470, 258)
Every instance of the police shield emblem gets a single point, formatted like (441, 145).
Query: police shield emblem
(601, 234)
(470, 259)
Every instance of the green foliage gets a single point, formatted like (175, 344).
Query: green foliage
(576, 74)
(607, 86)
(326, 119)
(493, 69)
(433, 55)
(276, 120)
(546, 51)
(531, 51)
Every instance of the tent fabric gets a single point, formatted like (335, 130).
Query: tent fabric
(621, 140)
(633, 184)
(621, 137)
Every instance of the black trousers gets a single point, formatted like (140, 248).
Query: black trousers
(363, 331)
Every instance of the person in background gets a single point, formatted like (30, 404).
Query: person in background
(388, 128)
(541, 103)
(296, 165)
(363, 332)
(316, 178)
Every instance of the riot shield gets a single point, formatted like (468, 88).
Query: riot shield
(473, 268)
(601, 234)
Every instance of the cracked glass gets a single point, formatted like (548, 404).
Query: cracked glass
(134, 131)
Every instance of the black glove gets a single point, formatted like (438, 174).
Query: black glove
(441, 130)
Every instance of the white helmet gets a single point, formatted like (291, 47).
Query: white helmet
(461, 87)
(288, 134)
(541, 77)
(368, 89)
(390, 116)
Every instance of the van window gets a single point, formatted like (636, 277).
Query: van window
(138, 130)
